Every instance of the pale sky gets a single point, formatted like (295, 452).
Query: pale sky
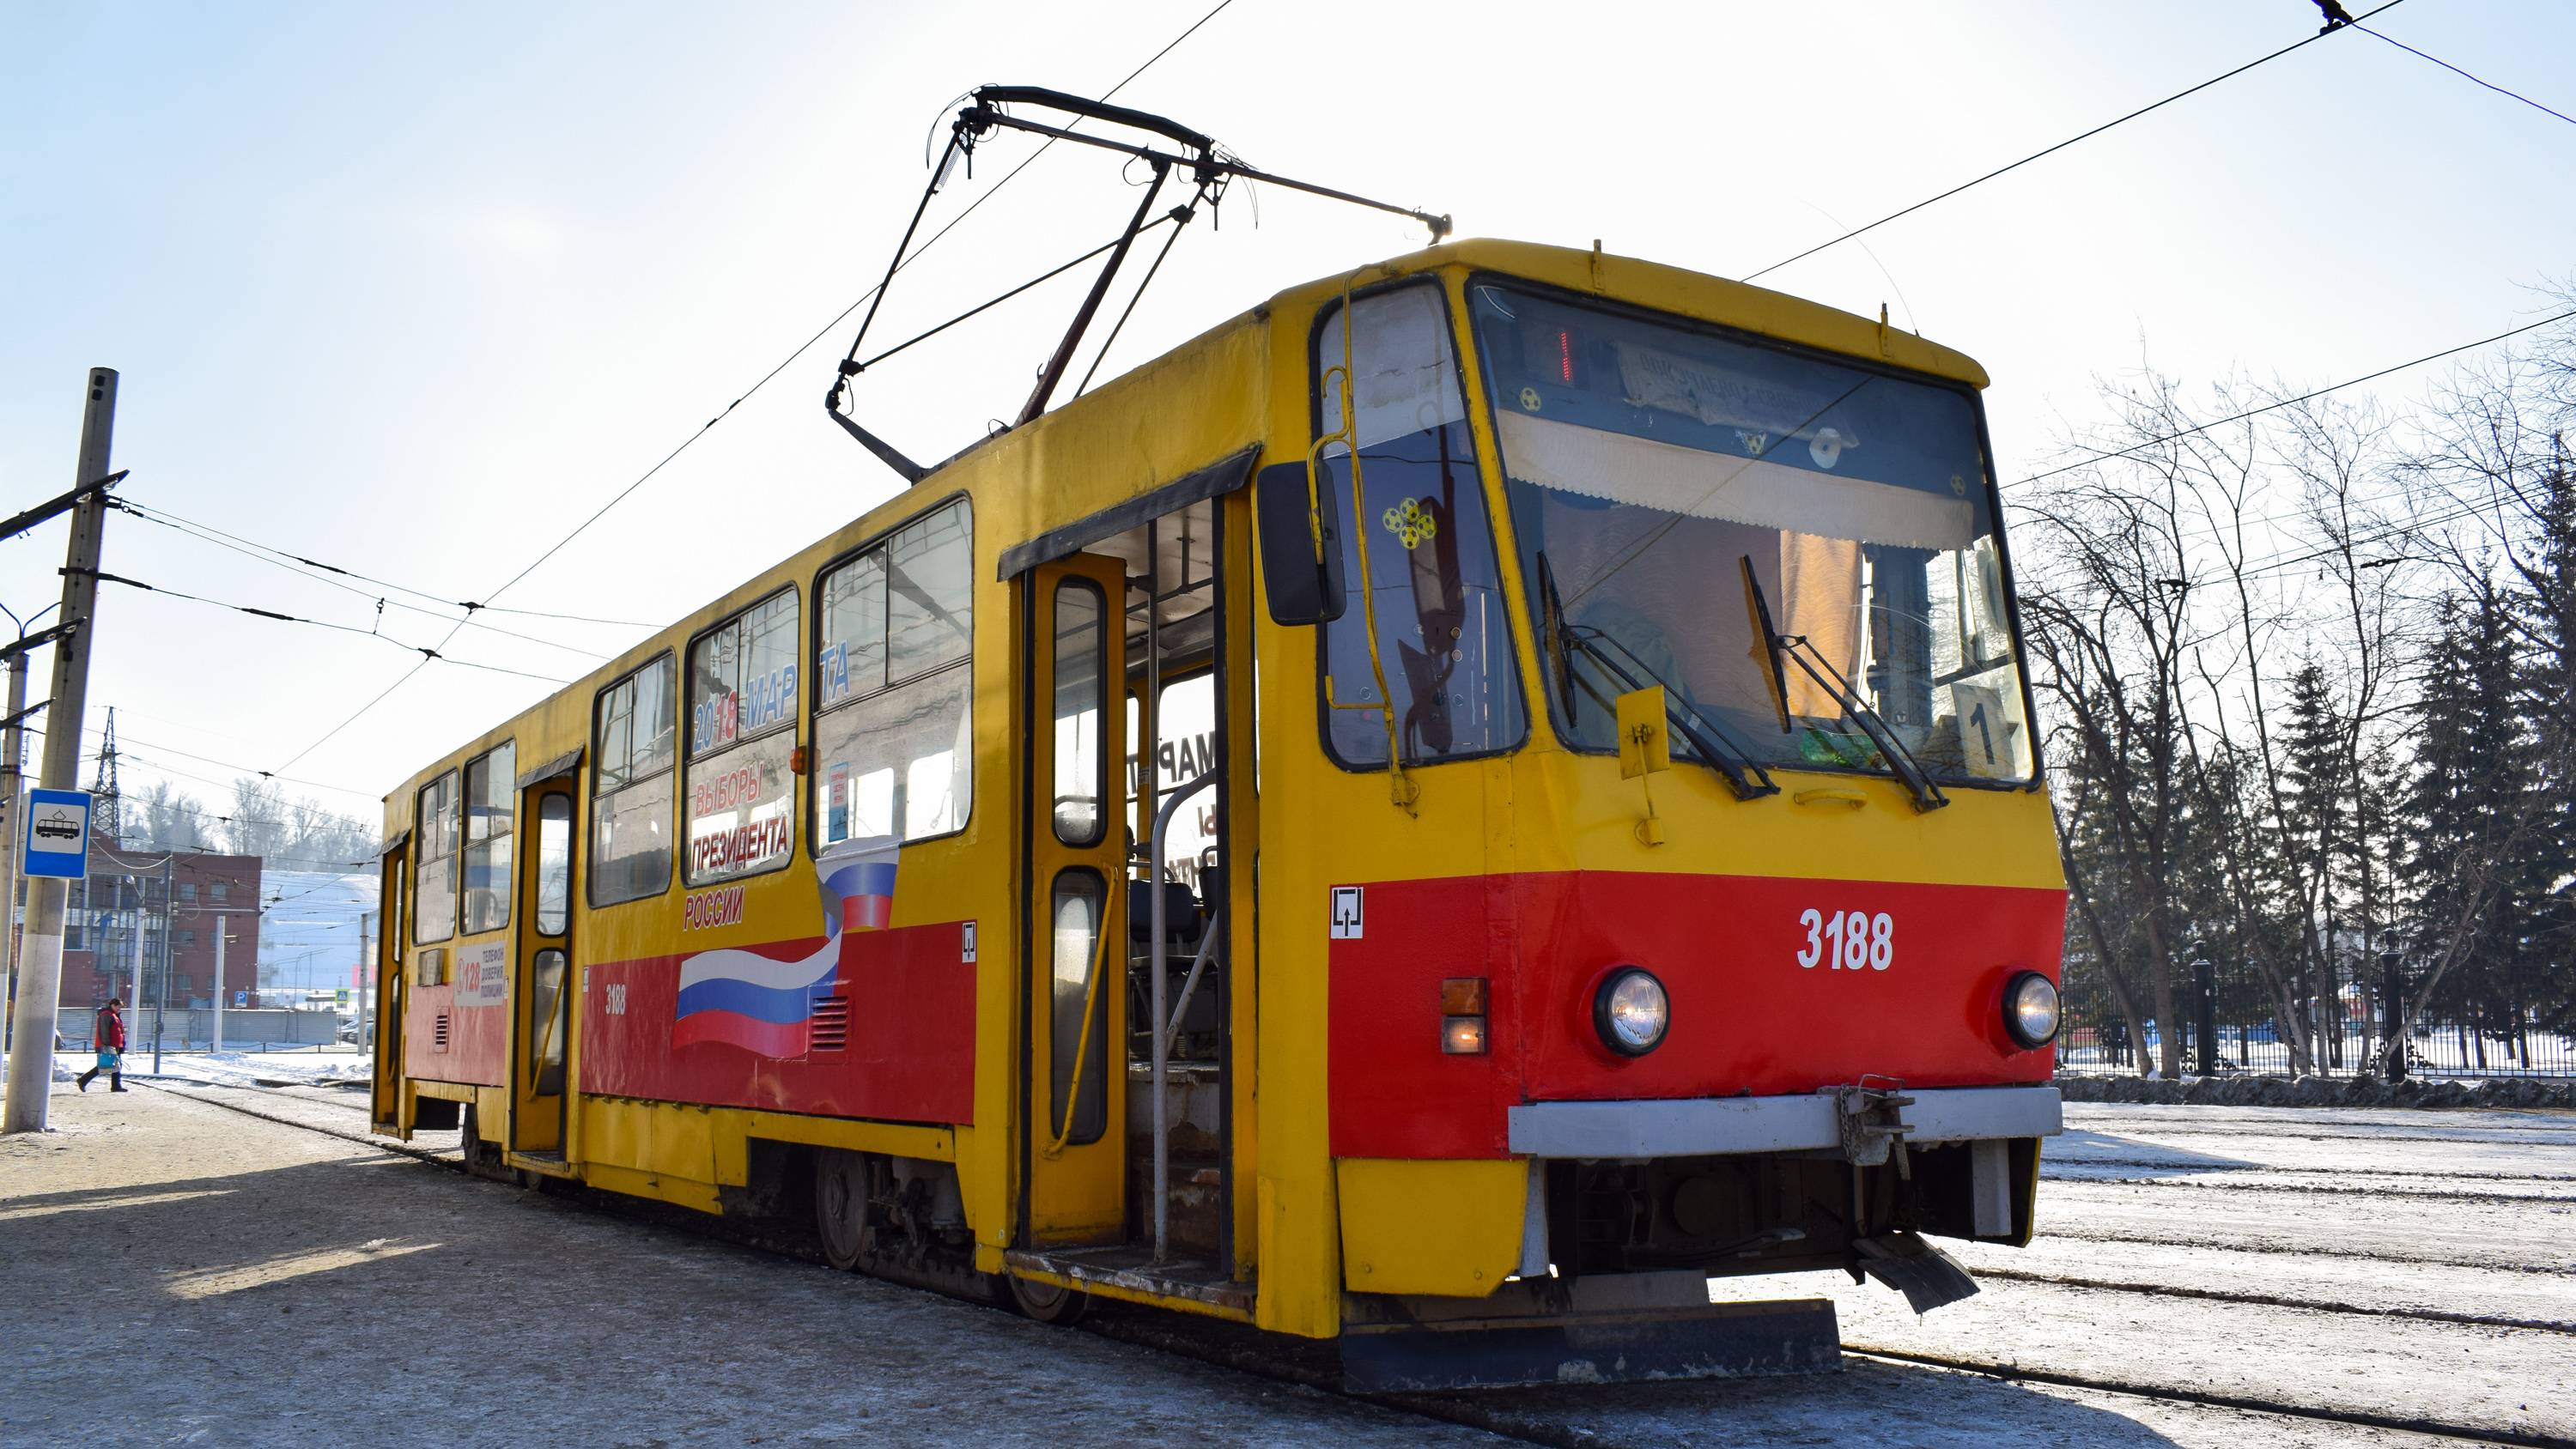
(412, 290)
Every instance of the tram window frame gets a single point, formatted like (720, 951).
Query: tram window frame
(757, 745)
(554, 864)
(601, 796)
(1513, 690)
(1990, 482)
(455, 839)
(886, 689)
(505, 837)
(1095, 663)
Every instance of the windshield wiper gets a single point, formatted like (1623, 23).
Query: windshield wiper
(1777, 646)
(1704, 735)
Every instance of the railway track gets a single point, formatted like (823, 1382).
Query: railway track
(1505, 1413)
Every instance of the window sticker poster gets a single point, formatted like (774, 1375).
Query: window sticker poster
(836, 801)
(483, 978)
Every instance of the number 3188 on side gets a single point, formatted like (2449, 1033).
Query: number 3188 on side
(1848, 940)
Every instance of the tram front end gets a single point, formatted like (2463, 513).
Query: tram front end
(1692, 909)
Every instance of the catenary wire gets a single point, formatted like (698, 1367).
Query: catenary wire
(2455, 70)
(826, 330)
(271, 557)
(2060, 146)
(150, 746)
(165, 514)
(2098, 457)
(427, 653)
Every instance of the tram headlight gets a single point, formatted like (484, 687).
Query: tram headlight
(2030, 1009)
(1631, 1011)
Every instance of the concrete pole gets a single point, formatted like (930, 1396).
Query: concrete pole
(40, 992)
(220, 923)
(11, 742)
(169, 920)
(366, 982)
(134, 998)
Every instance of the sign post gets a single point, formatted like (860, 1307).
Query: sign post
(40, 965)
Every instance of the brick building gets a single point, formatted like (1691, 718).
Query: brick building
(125, 893)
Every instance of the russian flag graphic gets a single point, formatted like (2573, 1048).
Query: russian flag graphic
(751, 1001)
(860, 894)
(765, 1005)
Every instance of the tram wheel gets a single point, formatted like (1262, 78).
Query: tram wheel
(842, 1181)
(1047, 1302)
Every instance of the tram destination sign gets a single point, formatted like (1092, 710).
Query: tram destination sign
(56, 839)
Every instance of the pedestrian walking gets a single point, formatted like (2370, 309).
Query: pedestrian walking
(107, 1033)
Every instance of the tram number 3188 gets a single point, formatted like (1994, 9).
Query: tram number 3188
(1848, 940)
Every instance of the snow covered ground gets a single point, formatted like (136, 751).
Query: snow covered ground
(2205, 1276)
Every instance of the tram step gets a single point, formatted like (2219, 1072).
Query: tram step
(1132, 1268)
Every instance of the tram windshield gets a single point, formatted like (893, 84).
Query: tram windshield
(1643, 460)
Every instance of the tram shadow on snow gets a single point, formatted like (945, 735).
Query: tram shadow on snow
(1896, 1405)
(1891, 1405)
(2097, 1153)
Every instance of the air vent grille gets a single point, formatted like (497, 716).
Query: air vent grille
(438, 1033)
(831, 1029)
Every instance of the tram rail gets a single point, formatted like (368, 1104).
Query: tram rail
(1496, 1411)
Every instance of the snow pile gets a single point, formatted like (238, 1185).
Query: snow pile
(250, 1069)
(2253, 1091)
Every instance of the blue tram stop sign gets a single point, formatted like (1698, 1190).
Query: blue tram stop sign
(56, 839)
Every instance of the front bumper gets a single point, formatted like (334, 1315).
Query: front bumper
(1726, 1126)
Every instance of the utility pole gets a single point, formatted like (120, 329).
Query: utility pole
(222, 934)
(169, 919)
(40, 993)
(13, 761)
(366, 981)
(135, 997)
(10, 741)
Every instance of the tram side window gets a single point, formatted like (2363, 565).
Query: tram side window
(1443, 637)
(489, 783)
(893, 732)
(634, 743)
(433, 900)
(742, 739)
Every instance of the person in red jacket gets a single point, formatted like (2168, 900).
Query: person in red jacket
(108, 1034)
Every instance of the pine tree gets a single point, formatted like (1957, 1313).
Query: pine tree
(2470, 804)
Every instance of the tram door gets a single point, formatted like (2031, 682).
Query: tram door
(385, 1098)
(543, 1001)
(1075, 957)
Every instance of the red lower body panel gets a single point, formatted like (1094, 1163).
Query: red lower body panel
(1776, 985)
(877, 1024)
(453, 1032)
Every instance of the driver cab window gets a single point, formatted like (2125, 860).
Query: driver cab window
(1443, 643)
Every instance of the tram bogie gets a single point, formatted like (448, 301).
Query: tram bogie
(1566, 833)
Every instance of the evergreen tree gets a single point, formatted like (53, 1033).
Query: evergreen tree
(2470, 808)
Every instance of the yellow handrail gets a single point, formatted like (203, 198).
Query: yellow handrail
(1400, 787)
(1090, 1003)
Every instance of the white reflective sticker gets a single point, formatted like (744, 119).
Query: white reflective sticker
(1346, 913)
(966, 945)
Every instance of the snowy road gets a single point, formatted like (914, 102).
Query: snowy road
(2205, 1276)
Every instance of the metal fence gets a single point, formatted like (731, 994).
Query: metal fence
(2228, 1027)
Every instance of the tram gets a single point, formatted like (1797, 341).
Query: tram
(1448, 813)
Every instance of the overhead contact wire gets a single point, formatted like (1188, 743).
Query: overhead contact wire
(2069, 141)
(826, 330)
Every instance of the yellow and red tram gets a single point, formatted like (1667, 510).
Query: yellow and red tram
(1443, 813)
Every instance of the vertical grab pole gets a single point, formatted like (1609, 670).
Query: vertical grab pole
(1162, 1043)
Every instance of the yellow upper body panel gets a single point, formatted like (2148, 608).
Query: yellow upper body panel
(1243, 382)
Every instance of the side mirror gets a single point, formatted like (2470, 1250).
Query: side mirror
(1302, 589)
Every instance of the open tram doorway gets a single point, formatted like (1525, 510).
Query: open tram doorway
(541, 1004)
(1181, 706)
